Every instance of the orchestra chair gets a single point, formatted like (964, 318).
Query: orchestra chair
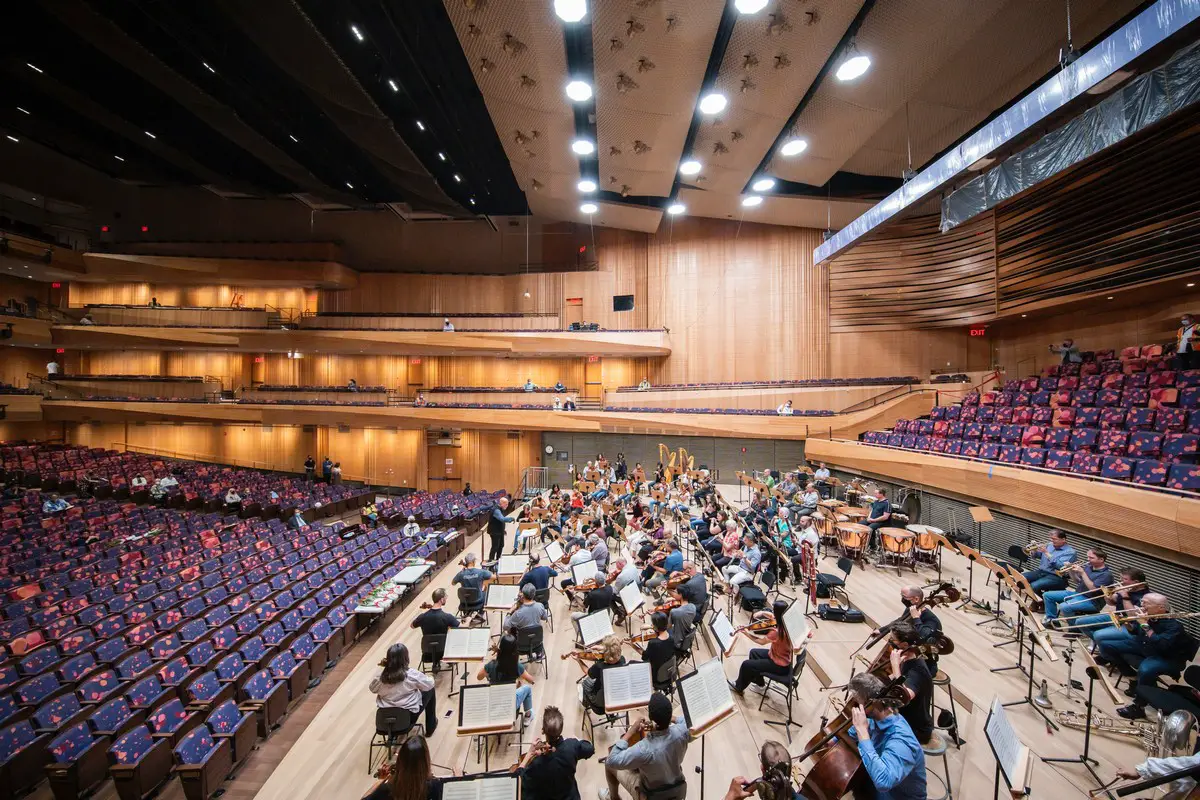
(941, 679)
(665, 679)
(391, 726)
(788, 686)
(433, 646)
(531, 644)
(543, 596)
(935, 748)
(597, 717)
(470, 601)
(835, 586)
(684, 652)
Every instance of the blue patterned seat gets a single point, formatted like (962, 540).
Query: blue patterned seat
(58, 713)
(1033, 456)
(37, 690)
(22, 754)
(78, 761)
(1184, 476)
(1170, 420)
(192, 631)
(171, 720)
(1086, 464)
(140, 763)
(227, 721)
(1084, 438)
(99, 687)
(1088, 417)
(147, 693)
(1145, 444)
(175, 672)
(267, 697)
(73, 669)
(285, 667)
(1118, 467)
(135, 666)
(202, 763)
(1058, 459)
(113, 718)
(1149, 472)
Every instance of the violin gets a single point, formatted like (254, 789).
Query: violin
(426, 606)
(678, 580)
(583, 655)
(760, 625)
(665, 608)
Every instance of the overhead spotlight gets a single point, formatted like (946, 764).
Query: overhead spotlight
(420, 125)
(749, 6)
(151, 135)
(12, 138)
(587, 186)
(579, 91)
(853, 64)
(472, 201)
(690, 167)
(583, 147)
(675, 209)
(526, 294)
(751, 201)
(589, 208)
(763, 184)
(207, 67)
(357, 33)
(570, 10)
(23, 111)
(793, 147)
(293, 138)
(457, 178)
(713, 103)
(34, 68)
(442, 156)
(392, 84)
(118, 158)
(349, 184)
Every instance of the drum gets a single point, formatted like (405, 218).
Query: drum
(852, 537)
(898, 519)
(830, 503)
(852, 496)
(897, 545)
(855, 513)
(926, 542)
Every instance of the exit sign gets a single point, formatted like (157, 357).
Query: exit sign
(979, 331)
(593, 359)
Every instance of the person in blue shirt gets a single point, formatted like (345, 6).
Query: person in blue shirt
(53, 504)
(1087, 597)
(539, 574)
(891, 755)
(747, 566)
(1054, 556)
(670, 565)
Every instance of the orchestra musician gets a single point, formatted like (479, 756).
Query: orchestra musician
(775, 658)
(694, 589)
(659, 569)
(529, 613)
(681, 620)
(411, 776)
(591, 688)
(1158, 767)
(470, 577)
(538, 574)
(547, 770)
(435, 622)
(660, 649)
(400, 686)
(506, 667)
(891, 754)
(496, 523)
(1158, 646)
(904, 662)
(597, 599)
(1090, 577)
(599, 550)
(749, 557)
(648, 760)
(1125, 598)
(776, 780)
(576, 555)
(1054, 556)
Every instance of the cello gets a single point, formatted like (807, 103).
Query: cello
(837, 767)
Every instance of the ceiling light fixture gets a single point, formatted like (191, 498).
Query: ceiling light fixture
(752, 201)
(457, 178)
(357, 33)
(151, 135)
(587, 186)
(392, 84)
(713, 103)
(589, 208)
(583, 147)
(420, 125)
(1190, 285)
(690, 167)
(793, 147)
(854, 64)
(349, 184)
(675, 209)
(472, 201)
(118, 158)
(34, 68)
(749, 6)
(570, 10)
(442, 156)
(207, 67)
(293, 138)
(12, 138)
(23, 111)
(763, 184)
(579, 91)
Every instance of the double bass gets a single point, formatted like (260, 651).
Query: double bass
(945, 593)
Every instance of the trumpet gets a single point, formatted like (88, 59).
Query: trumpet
(1031, 548)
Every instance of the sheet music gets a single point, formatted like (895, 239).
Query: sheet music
(594, 627)
(705, 694)
(796, 626)
(501, 596)
(1010, 752)
(554, 551)
(583, 571)
(512, 565)
(484, 706)
(467, 643)
(722, 628)
(627, 686)
(631, 598)
(500, 788)
(502, 703)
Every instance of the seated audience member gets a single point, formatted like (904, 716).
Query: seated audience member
(400, 686)
(54, 504)
(411, 776)
(369, 515)
(569, 403)
(529, 613)
(352, 385)
(1054, 556)
(1087, 597)
(419, 401)
(785, 409)
(1185, 344)
(507, 668)
(556, 404)
(233, 500)
(138, 482)
(447, 325)
(1069, 352)
(654, 764)
(558, 386)
(644, 385)
(436, 621)
(411, 528)
(530, 386)
(297, 521)
(154, 303)
(548, 770)
(86, 319)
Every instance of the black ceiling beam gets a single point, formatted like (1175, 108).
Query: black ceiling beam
(834, 57)
(842, 186)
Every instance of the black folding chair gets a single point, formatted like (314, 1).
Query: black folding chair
(543, 596)
(789, 686)
(391, 726)
(433, 646)
(530, 643)
(470, 601)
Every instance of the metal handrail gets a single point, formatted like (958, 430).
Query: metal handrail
(882, 397)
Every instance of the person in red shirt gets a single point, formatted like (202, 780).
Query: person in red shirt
(775, 659)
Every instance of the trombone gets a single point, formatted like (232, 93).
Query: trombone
(1126, 617)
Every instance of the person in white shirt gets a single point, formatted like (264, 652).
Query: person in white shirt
(1157, 767)
(411, 528)
(1185, 348)
(785, 410)
(52, 368)
(86, 319)
(821, 478)
(138, 482)
(530, 386)
(644, 385)
(232, 498)
(447, 325)
(399, 686)
(557, 405)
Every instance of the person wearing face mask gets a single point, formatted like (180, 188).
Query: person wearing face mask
(1185, 337)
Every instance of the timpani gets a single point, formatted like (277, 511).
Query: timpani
(830, 503)
(852, 538)
(927, 543)
(854, 513)
(897, 544)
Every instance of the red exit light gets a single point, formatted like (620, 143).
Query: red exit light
(145, 229)
(60, 351)
(104, 229)
(583, 248)
(258, 359)
(56, 285)
(979, 331)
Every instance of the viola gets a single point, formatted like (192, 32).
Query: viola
(426, 606)
(583, 655)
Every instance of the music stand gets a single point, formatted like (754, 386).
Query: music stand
(972, 555)
(1000, 573)
(1028, 698)
(1089, 763)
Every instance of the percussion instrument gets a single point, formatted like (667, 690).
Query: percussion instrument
(852, 537)
(855, 513)
(830, 503)
(898, 546)
(926, 540)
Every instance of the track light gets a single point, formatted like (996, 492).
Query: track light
(853, 64)
(751, 201)
(675, 209)
(587, 186)
(713, 103)
(392, 84)
(589, 208)
(420, 125)
(793, 147)
(763, 184)
(689, 167)
(570, 10)
(579, 91)
(583, 147)
(357, 33)
(749, 6)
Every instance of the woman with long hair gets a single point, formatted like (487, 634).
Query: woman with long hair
(776, 659)
(400, 686)
(411, 776)
(507, 668)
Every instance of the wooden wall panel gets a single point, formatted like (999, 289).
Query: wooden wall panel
(17, 362)
(1126, 217)
(494, 460)
(742, 301)
(913, 276)
(31, 431)
(317, 369)
(445, 294)
(378, 455)
(81, 294)
(233, 369)
(916, 352)
(279, 447)
(446, 371)
(616, 372)
(21, 290)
